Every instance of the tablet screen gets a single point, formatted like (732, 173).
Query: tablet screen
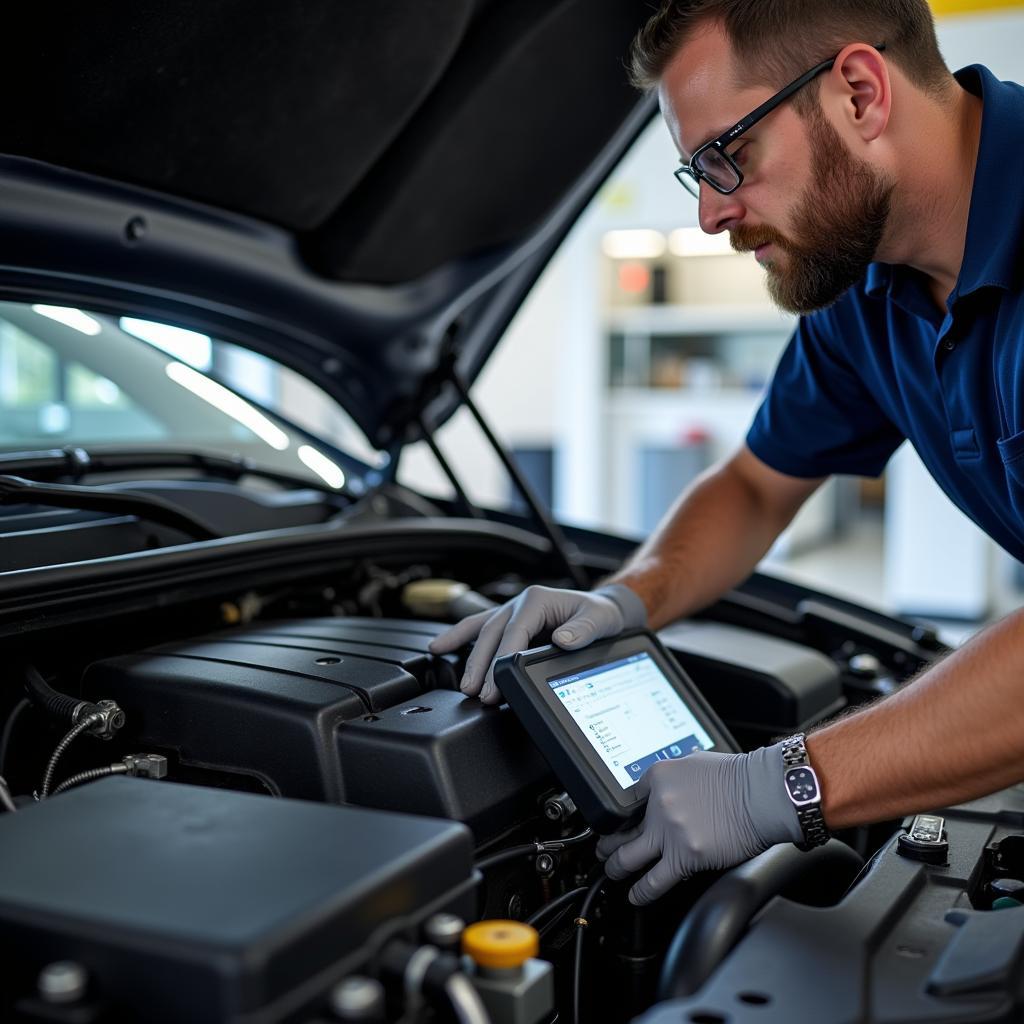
(631, 715)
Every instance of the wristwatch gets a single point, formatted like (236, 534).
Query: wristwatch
(803, 789)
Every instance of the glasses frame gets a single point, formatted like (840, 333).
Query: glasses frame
(690, 172)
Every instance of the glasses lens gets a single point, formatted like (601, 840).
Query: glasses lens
(720, 171)
(685, 178)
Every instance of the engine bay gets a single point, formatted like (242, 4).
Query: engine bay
(318, 820)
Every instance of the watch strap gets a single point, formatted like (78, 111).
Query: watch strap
(812, 821)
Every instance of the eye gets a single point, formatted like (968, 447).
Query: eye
(740, 155)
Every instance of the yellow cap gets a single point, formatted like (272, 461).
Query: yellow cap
(500, 943)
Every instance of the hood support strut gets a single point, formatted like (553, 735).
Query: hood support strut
(460, 494)
(559, 545)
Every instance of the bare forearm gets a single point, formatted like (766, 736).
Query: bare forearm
(713, 538)
(955, 734)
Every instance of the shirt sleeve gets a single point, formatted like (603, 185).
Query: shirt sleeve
(819, 416)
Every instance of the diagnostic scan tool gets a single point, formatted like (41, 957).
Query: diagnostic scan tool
(603, 715)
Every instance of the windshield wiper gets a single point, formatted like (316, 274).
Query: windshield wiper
(77, 463)
(15, 490)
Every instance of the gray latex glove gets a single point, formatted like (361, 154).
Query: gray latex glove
(706, 811)
(577, 617)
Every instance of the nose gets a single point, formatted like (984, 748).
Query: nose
(717, 213)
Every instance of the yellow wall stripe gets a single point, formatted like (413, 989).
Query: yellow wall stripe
(942, 7)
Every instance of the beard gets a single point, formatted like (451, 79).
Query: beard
(838, 225)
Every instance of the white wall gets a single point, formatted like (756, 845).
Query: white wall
(995, 40)
(970, 578)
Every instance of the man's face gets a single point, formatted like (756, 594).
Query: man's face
(812, 212)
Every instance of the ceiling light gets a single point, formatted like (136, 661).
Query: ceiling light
(694, 242)
(229, 403)
(328, 471)
(70, 318)
(639, 244)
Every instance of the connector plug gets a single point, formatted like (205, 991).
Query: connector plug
(147, 766)
(107, 714)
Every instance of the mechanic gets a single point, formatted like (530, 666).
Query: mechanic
(882, 195)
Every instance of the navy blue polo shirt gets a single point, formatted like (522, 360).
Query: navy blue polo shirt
(885, 364)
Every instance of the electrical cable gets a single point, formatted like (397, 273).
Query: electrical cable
(86, 723)
(465, 1001)
(582, 923)
(869, 864)
(527, 849)
(8, 731)
(559, 903)
(90, 775)
(532, 849)
(6, 800)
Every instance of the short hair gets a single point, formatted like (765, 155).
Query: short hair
(778, 40)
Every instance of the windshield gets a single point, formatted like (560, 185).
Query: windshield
(70, 377)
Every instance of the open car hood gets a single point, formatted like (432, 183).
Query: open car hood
(364, 192)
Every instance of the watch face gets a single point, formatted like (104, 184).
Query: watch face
(802, 785)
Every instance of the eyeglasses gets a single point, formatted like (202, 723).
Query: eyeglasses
(711, 163)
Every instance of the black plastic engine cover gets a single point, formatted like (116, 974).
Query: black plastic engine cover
(322, 709)
(761, 686)
(265, 700)
(446, 755)
(193, 904)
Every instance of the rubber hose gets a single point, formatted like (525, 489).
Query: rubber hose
(43, 695)
(717, 921)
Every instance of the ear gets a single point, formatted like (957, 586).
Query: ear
(859, 82)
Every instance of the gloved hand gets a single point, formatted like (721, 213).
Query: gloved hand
(706, 811)
(577, 617)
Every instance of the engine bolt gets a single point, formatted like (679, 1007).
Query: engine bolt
(865, 665)
(545, 865)
(358, 998)
(560, 807)
(444, 931)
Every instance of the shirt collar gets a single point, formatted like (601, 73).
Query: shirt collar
(996, 220)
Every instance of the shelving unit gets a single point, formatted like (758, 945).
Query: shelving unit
(683, 382)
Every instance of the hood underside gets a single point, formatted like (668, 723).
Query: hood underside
(371, 175)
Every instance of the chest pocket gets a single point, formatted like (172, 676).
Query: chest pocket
(1011, 444)
(1011, 450)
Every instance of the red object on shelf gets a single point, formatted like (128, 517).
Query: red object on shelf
(634, 278)
(694, 436)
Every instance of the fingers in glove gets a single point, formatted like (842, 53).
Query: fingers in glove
(662, 877)
(607, 845)
(531, 615)
(460, 634)
(483, 651)
(582, 629)
(633, 855)
(576, 633)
